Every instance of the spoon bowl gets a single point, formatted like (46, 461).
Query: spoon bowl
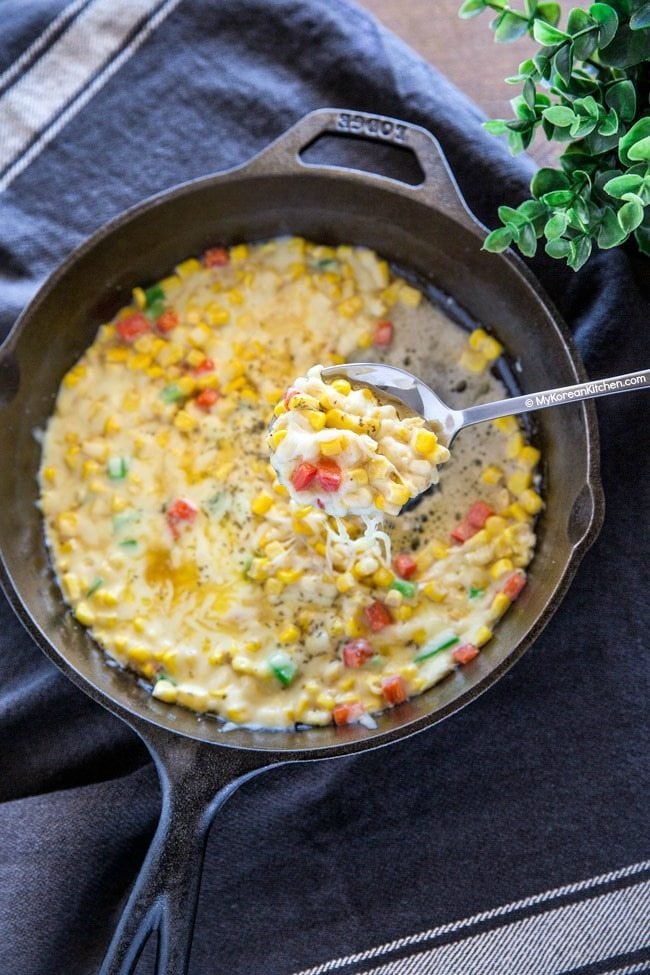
(393, 383)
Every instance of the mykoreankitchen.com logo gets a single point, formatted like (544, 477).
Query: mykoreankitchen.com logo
(588, 389)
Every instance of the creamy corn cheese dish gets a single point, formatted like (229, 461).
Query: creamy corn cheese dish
(342, 450)
(177, 547)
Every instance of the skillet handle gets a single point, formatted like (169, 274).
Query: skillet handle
(438, 189)
(165, 895)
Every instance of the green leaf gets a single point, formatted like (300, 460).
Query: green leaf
(619, 185)
(638, 133)
(522, 109)
(471, 8)
(582, 127)
(543, 65)
(556, 226)
(559, 115)
(607, 19)
(511, 217)
(530, 7)
(544, 33)
(528, 94)
(558, 198)
(527, 240)
(630, 216)
(563, 63)
(640, 150)
(610, 233)
(581, 253)
(549, 11)
(498, 240)
(508, 27)
(609, 124)
(642, 237)
(578, 20)
(587, 106)
(559, 248)
(622, 98)
(641, 18)
(496, 126)
(533, 209)
(515, 143)
(546, 180)
(627, 48)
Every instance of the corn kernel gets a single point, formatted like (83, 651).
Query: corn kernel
(409, 296)
(483, 634)
(277, 437)
(288, 576)
(118, 353)
(330, 448)
(279, 409)
(316, 420)
(359, 475)
(514, 444)
(491, 474)
(347, 683)
(500, 567)
(131, 401)
(425, 441)
(49, 473)
(84, 614)
(494, 525)
(531, 501)
(139, 625)
(353, 627)
(71, 585)
(320, 548)
(517, 511)
(404, 613)
(239, 253)
(273, 587)
(89, 469)
(281, 490)
(365, 340)
(186, 384)
(499, 604)
(290, 634)
(194, 358)
(345, 582)
(188, 267)
(67, 523)
(383, 577)
(112, 425)
(432, 592)
(234, 296)
(165, 691)
(519, 481)
(528, 456)
(473, 361)
(184, 421)
(342, 386)
(506, 424)
(105, 598)
(154, 372)
(261, 504)
(138, 362)
(325, 701)
(350, 306)
(379, 503)
(397, 494)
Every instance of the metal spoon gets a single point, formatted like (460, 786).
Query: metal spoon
(398, 384)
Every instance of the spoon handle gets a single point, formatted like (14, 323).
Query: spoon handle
(556, 397)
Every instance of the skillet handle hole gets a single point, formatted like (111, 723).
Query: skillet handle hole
(358, 152)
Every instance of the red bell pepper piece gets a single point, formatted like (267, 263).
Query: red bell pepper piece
(473, 521)
(329, 474)
(207, 398)
(131, 328)
(303, 475)
(378, 616)
(356, 653)
(206, 366)
(383, 333)
(463, 655)
(513, 585)
(394, 689)
(405, 565)
(179, 514)
(167, 321)
(216, 257)
(346, 713)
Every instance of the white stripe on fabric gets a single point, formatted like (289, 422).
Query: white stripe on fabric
(642, 968)
(497, 912)
(42, 41)
(61, 74)
(553, 943)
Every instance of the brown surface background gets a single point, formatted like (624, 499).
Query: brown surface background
(465, 51)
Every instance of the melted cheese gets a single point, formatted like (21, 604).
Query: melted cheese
(174, 542)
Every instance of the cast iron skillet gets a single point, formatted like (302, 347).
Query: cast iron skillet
(426, 228)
